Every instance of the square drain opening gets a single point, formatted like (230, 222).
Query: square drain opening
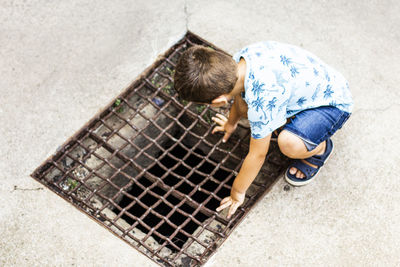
(149, 170)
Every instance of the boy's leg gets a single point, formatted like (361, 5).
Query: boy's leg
(306, 134)
(294, 147)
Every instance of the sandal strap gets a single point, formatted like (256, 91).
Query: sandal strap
(319, 160)
(306, 169)
(315, 160)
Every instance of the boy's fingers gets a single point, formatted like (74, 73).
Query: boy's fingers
(225, 200)
(218, 120)
(223, 206)
(218, 129)
(232, 209)
(222, 117)
(226, 137)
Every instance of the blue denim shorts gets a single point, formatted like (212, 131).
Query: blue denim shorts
(316, 125)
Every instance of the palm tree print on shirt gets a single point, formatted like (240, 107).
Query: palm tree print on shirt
(271, 105)
(328, 92)
(257, 88)
(294, 71)
(259, 104)
(251, 75)
(286, 61)
(327, 77)
(301, 101)
(254, 125)
(314, 96)
(244, 51)
(326, 74)
(311, 59)
(279, 80)
(257, 124)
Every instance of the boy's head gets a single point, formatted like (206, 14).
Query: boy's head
(203, 74)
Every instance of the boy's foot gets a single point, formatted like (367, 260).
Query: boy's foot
(301, 172)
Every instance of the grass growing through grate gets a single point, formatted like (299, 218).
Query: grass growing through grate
(148, 168)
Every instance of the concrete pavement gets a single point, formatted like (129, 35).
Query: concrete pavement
(60, 62)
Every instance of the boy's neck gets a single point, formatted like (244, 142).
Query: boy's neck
(241, 71)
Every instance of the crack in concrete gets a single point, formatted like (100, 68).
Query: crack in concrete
(185, 11)
(26, 189)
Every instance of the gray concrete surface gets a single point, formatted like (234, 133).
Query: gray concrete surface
(62, 61)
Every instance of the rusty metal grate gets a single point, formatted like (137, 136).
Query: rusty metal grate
(149, 170)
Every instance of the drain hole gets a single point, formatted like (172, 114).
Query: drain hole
(195, 178)
(162, 209)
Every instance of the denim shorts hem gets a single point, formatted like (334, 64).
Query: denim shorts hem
(313, 126)
(309, 145)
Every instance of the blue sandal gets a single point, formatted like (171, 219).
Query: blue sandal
(309, 171)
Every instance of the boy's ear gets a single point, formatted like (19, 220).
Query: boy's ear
(220, 101)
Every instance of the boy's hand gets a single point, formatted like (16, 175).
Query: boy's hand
(224, 126)
(233, 201)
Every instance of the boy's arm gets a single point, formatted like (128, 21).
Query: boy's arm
(234, 115)
(248, 172)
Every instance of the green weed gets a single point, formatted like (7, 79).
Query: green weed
(71, 183)
(117, 103)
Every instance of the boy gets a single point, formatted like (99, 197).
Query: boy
(275, 86)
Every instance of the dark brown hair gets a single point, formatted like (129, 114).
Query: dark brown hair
(202, 74)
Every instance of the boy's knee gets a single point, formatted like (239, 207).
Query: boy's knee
(290, 145)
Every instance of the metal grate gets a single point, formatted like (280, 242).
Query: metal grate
(148, 169)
